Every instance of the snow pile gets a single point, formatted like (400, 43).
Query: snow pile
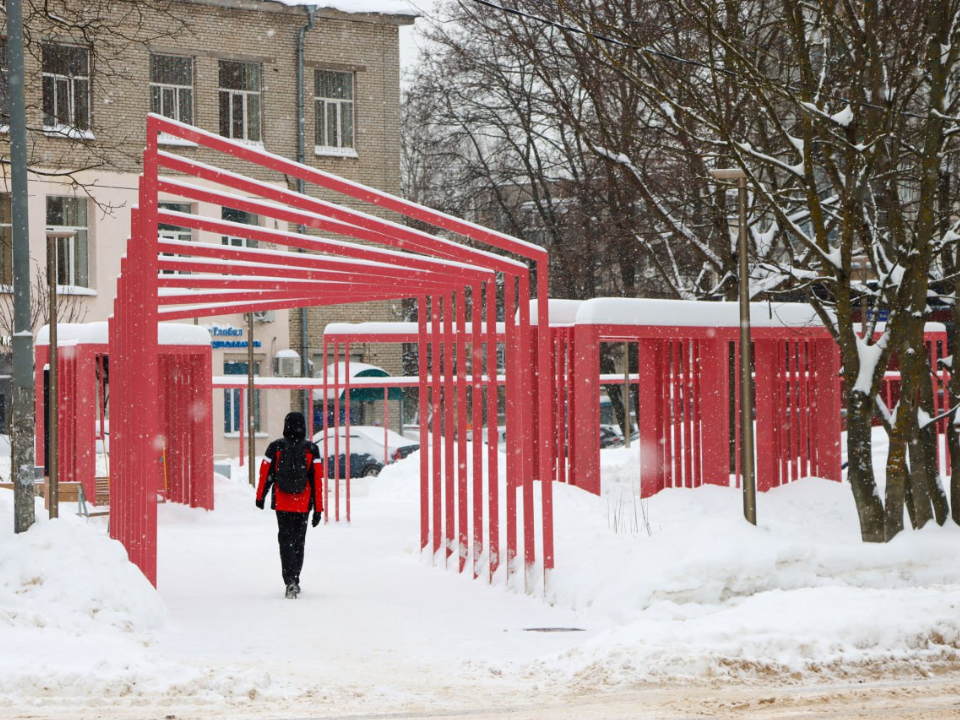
(71, 606)
(686, 588)
(677, 587)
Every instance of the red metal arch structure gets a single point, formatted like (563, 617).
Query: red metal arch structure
(456, 283)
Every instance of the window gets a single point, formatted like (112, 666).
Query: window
(233, 414)
(69, 214)
(66, 88)
(333, 101)
(238, 216)
(174, 232)
(4, 84)
(240, 100)
(171, 87)
(6, 241)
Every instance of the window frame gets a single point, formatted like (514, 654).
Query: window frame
(322, 107)
(157, 89)
(174, 232)
(70, 251)
(70, 85)
(232, 407)
(243, 96)
(226, 213)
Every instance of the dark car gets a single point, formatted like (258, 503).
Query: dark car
(610, 438)
(361, 465)
(401, 452)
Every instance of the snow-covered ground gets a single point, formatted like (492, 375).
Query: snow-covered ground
(677, 589)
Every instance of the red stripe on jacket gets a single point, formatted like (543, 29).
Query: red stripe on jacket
(311, 498)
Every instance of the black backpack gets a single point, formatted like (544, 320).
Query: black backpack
(291, 467)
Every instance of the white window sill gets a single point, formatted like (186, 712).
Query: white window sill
(165, 139)
(236, 435)
(250, 143)
(323, 151)
(66, 131)
(61, 290)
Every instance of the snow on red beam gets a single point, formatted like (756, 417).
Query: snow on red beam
(318, 214)
(258, 156)
(722, 318)
(229, 382)
(96, 333)
(367, 255)
(389, 332)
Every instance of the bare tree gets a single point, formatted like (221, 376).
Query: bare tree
(106, 30)
(844, 117)
(70, 308)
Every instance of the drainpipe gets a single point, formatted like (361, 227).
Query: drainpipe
(301, 121)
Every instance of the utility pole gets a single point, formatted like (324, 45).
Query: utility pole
(746, 363)
(22, 425)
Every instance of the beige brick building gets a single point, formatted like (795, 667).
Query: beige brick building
(227, 66)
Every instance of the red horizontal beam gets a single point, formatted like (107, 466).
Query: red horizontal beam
(286, 272)
(392, 234)
(185, 313)
(157, 123)
(312, 243)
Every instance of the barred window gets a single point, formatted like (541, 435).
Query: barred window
(333, 103)
(171, 87)
(66, 87)
(240, 100)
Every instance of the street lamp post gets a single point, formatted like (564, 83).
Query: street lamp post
(746, 389)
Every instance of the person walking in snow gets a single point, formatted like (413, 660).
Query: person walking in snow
(292, 467)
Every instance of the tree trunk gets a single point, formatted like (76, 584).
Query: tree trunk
(860, 468)
(21, 471)
(930, 452)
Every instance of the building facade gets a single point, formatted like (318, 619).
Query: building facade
(227, 66)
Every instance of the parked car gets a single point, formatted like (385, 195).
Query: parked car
(609, 437)
(369, 439)
(361, 465)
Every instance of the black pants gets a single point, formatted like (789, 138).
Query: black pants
(292, 536)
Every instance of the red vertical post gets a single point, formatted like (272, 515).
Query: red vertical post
(202, 419)
(686, 412)
(141, 354)
(476, 407)
(828, 406)
(545, 414)
(423, 414)
(346, 420)
(461, 374)
(737, 440)
(649, 416)
(529, 439)
(715, 407)
(514, 436)
(329, 473)
(676, 464)
(436, 309)
(585, 410)
(803, 409)
(336, 430)
(243, 424)
(493, 433)
(696, 406)
(766, 379)
(449, 398)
